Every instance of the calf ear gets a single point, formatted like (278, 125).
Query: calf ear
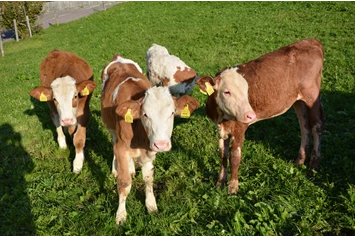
(133, 105)
(86, 87)
(184, 100)
(207, 84)
(42, 93)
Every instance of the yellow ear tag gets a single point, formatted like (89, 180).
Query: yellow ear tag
(185, 113)
(209, 88)
(42, 97)
(128, 118)
(85, 91)
(203, 92)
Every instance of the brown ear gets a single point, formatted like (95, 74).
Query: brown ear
(201, 82)
(184, 100)
(134, 105)
(42, 93)
(86, 87)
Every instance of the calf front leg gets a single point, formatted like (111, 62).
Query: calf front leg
(124, 182)
(61, 137)
(148, 177)
(223, 154)
(236, 155)
(79, 143)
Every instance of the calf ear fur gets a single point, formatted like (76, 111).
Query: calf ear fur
(134, 105)
(42, 90)
(81, 87)
(201, 82)
(184, 100)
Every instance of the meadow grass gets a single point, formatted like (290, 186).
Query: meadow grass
(39, 195)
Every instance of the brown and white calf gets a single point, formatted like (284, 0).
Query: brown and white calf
(168, 70)
(67, 85)
(264, 88)
(140, 120)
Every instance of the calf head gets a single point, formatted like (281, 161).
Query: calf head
(156, 112)
(65, 93)
(231, 95)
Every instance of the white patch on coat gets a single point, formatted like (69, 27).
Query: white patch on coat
(119, 59)
(115, 92)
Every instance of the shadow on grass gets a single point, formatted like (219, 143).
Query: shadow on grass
(96, 141)
(15, 207)
(281, 136)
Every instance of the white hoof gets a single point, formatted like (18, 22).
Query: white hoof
(78, 162)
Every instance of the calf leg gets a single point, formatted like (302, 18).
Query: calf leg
(114, 163)
(223, 154)
(148, 177)
(61, 137)
(236, 155)
(124, 182)
(79, 143)
(55, 118)
(305, 127)
(317, 124)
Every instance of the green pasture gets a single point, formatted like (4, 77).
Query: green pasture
(39, 194)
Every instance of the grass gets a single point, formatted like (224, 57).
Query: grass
(39, 195)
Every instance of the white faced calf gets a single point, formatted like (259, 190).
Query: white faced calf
(67, 97)
(140, 119)
(264, 88)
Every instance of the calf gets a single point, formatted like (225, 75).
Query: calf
(67, 85)
(264, 88)
(168, 70)
(140, 120)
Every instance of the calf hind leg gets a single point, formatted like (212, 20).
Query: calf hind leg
(317, 120)
(305, 127)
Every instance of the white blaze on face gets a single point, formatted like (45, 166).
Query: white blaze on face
(157, 117)
(65, 99)
(232, 97)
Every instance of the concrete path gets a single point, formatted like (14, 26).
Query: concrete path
(68, 15)
(62, 16)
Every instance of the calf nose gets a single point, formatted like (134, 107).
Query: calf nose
(67, 121)
(250, 116)
(161, 146)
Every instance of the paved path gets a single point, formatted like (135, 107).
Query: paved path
(68, 15)
(63, 16)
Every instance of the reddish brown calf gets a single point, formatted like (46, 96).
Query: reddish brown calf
(67, 85)
(264, 88)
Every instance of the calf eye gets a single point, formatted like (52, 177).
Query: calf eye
(227, 93)
(145, 115)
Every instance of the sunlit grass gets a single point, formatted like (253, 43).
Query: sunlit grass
(39, 195)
